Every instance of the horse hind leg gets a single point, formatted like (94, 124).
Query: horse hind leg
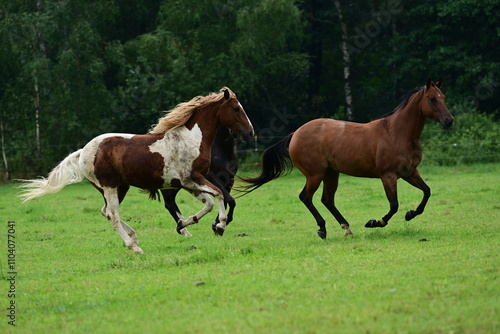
(330, 185)
(306, 196)
(111, 212)
(170, 204)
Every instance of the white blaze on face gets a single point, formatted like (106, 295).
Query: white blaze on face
(248, 119)
(179, 148)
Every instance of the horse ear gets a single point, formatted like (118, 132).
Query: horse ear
(439, 82)
(428, 84)
(226, 94)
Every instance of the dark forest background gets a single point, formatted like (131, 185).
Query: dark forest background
(73, 69)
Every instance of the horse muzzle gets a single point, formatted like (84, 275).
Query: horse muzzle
(247, 135)
(447, 122)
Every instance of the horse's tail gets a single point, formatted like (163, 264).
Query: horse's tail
(276, 162)
(67, 172)
(154, 194)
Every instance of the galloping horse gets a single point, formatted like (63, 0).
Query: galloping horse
(387, 148)
(223, 168)
(175, 154)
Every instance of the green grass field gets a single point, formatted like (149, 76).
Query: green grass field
(270, 273)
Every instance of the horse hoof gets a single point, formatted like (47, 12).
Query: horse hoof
(137, 250)
(410, 215)
(375, 223)
(214, 227)
(219, 231)
(322, 234)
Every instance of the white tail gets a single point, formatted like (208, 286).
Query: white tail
(67, 172)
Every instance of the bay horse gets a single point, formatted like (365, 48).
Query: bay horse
(223, 168)
(175, 154)
(387, 148)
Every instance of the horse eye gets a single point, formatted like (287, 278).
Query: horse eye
(237, 109)
(433, 99)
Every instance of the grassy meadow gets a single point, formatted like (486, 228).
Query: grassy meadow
(269, 273)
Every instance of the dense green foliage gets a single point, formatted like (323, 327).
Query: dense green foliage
(90, 67)
(269, 273)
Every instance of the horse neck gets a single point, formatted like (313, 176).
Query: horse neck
(408, 122)
(208, 121)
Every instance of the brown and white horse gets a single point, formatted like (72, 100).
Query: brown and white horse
(175, 154)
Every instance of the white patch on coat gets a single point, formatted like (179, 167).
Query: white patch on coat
(179, 148)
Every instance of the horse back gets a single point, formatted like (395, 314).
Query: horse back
(347, 147)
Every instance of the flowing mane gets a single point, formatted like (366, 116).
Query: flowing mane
(183, 111)
(405, 101)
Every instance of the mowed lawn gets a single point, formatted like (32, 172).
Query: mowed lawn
(269, 273)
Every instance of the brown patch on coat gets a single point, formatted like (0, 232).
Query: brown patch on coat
(129, 161)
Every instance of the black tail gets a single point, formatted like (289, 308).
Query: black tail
(154, 194)
(276, 162)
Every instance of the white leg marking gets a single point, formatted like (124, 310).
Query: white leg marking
(184, 231)
(209, 204)
(113, 216)
(347, 230)
(130, 231)
(222, 212)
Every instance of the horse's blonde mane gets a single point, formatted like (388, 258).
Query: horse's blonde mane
(183, 111)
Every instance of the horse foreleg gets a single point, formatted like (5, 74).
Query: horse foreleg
(416, 181)
(228, 200)
(220, 227)
(390, 186)
(209, 204)
(111, 213)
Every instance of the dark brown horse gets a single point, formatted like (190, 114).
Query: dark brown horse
(176, 154)
(387, 148)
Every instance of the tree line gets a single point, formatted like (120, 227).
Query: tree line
(73, 69)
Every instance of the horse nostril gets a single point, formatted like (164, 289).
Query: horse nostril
(448, 122)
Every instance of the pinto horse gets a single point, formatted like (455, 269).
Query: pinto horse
(387, 148)
(175, 154)
(223, 168)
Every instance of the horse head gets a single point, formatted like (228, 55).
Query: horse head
(433, 104)
(233, 116)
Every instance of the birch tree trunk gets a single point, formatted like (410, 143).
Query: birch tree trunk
(39, 49)
(4, 155)
(346, 58)
(36, 97)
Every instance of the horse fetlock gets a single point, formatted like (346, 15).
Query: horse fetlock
(347, 230)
